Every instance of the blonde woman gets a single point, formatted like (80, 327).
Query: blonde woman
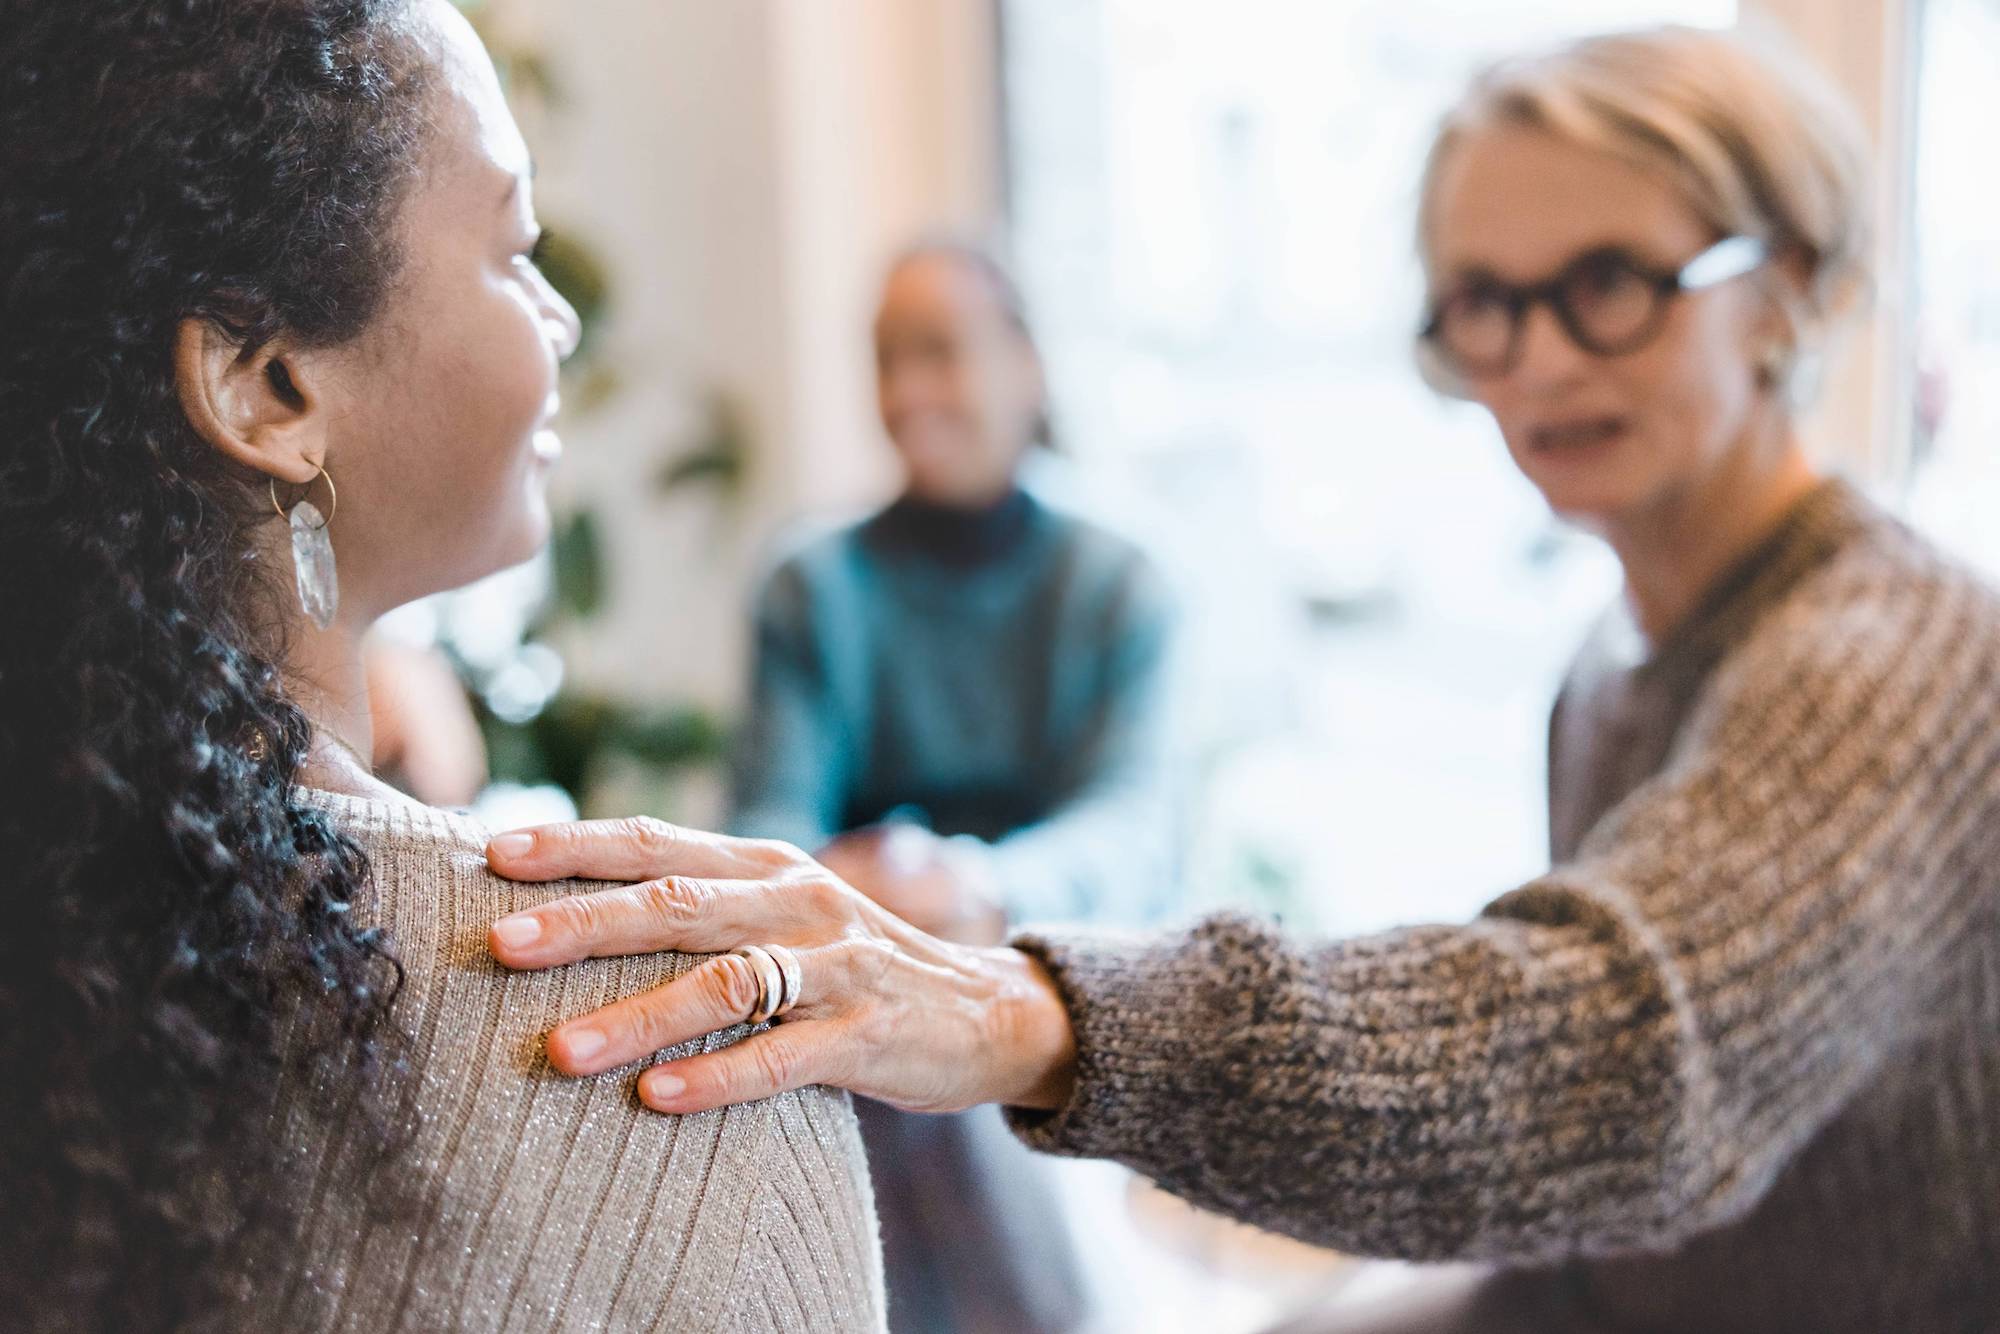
(1731, 1062)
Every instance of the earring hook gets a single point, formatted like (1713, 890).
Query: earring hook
(332, 497)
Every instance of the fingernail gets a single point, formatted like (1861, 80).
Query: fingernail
(582, 1043)
(663, 1087)
(518, 931)
(510, 846)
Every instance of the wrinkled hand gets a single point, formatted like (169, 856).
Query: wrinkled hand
(942, 886)
(885, 1010)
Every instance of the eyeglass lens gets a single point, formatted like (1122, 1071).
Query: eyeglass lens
(1605, 300)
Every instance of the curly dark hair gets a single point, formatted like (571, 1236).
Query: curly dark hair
(178, 934)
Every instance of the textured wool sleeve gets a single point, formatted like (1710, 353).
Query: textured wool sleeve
(1623, 1052)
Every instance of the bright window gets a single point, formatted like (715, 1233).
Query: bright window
(1955, 290)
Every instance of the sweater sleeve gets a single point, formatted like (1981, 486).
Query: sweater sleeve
(1621, 1053)
(790, 764)
(1108, 853)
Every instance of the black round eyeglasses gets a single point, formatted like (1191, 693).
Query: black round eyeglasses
(1608, 301)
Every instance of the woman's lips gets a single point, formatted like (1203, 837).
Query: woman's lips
(547, 444)
(1579, 435)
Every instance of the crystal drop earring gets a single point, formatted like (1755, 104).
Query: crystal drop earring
(312, 551)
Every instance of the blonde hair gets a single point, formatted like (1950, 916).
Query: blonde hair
(1757, 141)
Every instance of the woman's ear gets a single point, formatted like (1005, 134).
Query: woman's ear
(1798, 268)
(263, 409)
(1790, 288)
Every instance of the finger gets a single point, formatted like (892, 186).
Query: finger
(786, 1057)
(672, 913)
(636, 848)
(714, 995)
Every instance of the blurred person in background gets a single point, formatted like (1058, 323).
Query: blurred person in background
(960, 703)
(1730, 1063)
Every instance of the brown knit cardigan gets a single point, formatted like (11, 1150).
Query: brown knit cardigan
(1734, 1061)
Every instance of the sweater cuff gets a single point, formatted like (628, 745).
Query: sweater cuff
(1128, 999)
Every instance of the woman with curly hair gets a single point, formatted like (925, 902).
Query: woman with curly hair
(278, 360)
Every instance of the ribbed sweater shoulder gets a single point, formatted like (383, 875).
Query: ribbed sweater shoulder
(1773, 963)
(526, 1201)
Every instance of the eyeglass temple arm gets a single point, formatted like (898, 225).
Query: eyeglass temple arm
(1731, 257)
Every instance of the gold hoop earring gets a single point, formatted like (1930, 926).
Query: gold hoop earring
(332, 497)
(313, 570)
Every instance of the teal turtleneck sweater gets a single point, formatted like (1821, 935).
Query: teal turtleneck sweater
(999, 675)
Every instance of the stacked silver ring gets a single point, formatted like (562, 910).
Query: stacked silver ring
(779, 980)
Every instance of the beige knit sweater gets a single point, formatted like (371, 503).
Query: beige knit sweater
(1733, 1063)
(534, 1202)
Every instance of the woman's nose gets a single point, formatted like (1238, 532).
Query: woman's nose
(1547, 352)
(904, 389)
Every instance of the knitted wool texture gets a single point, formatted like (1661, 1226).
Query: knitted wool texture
(1735, 1060)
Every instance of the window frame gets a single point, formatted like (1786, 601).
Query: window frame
(1869, 47)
